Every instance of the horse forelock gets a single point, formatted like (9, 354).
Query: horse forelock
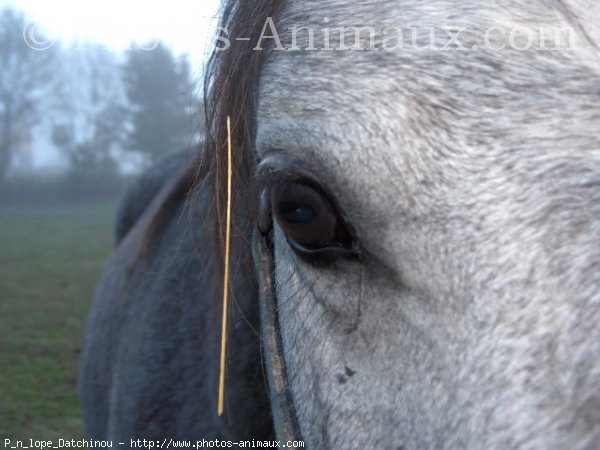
(230, 89)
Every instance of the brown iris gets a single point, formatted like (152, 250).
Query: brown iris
(307, 218)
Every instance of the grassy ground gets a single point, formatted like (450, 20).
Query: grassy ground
(50, 262)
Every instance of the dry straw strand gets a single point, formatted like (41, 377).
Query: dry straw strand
(221, 402)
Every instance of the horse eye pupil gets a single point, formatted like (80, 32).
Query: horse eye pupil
(296, 212)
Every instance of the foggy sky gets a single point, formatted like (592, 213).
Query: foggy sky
(184, 25)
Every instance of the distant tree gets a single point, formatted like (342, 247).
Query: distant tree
(90, 122)
(25, 75)
(160, 93)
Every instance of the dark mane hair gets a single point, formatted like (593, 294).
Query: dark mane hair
(230, 87)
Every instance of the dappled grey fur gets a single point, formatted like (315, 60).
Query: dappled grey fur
(472, 179)
(150, 361)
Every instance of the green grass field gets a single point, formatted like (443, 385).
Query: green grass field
(50, 261)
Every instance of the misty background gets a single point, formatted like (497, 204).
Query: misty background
(92, 93)
(86, 104)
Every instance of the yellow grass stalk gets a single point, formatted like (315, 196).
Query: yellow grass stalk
(220, 406)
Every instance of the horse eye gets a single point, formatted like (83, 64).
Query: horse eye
(309, 222)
